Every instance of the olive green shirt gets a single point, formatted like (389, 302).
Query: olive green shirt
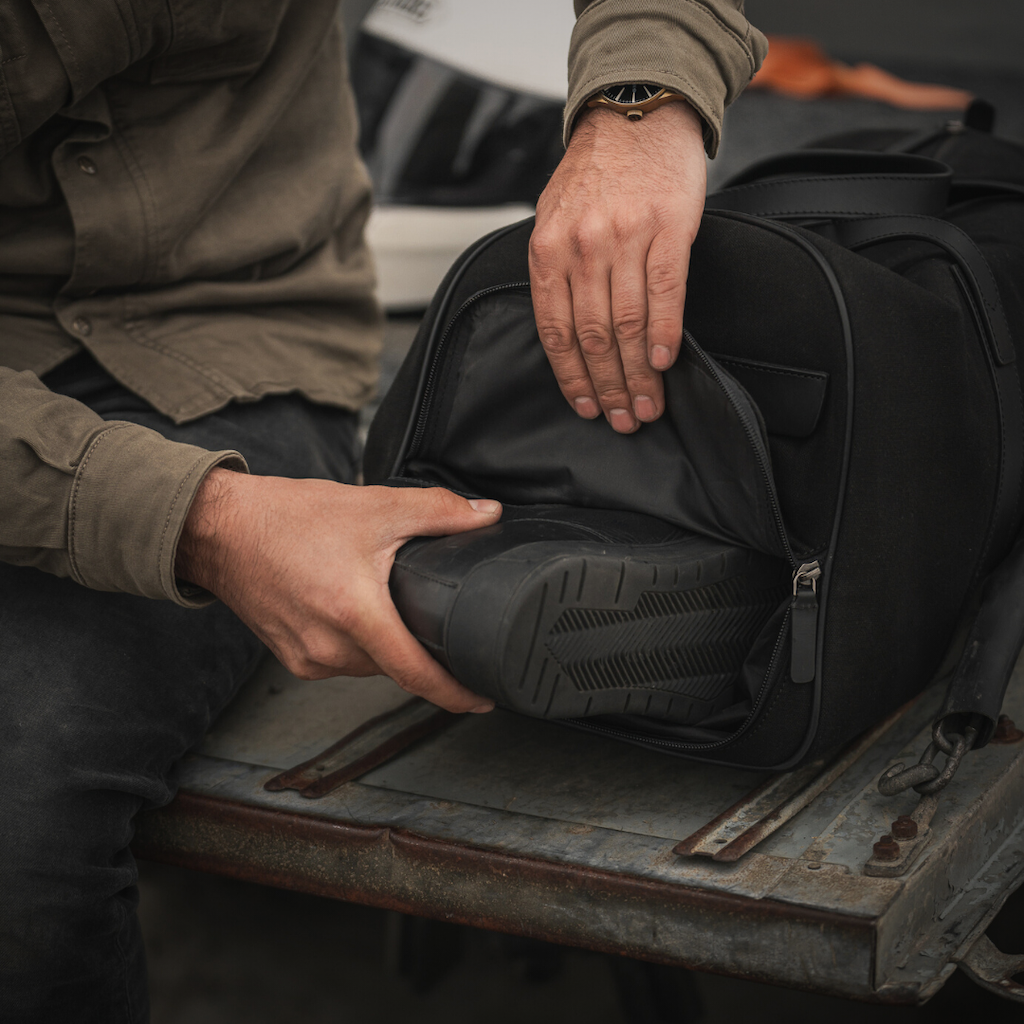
(181, 194)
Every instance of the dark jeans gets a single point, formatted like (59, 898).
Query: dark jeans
(100, 695)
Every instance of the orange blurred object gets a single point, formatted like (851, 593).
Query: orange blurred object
(800, 68)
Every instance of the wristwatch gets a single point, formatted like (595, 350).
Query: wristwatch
(634, 99)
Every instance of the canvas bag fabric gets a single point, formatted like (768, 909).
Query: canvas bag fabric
(848, 393)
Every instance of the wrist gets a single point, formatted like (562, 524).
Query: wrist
(674, 120)
(203, 542)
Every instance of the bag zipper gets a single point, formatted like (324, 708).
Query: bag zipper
(804, 622)
(804, 608)
(427, 398)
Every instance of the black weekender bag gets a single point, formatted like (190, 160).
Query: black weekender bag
(847, 403)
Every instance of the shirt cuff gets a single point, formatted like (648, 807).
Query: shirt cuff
(131, 494)
(705, 50)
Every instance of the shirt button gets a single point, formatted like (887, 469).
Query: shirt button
(86, 166)
(81, 325)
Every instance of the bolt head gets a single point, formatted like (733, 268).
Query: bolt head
(1006, 731)
(886, 849)
(904, 827)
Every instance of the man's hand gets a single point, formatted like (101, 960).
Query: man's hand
(609, 255)
(305, 564)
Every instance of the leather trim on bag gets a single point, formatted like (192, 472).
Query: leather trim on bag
(790, 398)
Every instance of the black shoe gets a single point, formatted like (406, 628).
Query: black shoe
(565, 612)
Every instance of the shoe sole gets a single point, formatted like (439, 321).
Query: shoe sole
(660, 631)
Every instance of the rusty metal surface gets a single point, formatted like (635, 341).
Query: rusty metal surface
(523, 827)
(895, 852)
(280, 721)
(504, 761)
(993, 969)
(367, 746)
(1006, 731)
(508, 762)
(578, 905)
(517, 834)
(759, 805)
(764, 811)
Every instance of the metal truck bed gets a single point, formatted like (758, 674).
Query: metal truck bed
(526, 827)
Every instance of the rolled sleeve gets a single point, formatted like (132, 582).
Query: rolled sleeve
(705, 50)
(103, 502)
(127, 506)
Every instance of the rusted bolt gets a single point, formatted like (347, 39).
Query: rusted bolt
(904, 827)
(886, 849)
(1006, 731)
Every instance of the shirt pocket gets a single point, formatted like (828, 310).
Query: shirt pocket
(218, 40)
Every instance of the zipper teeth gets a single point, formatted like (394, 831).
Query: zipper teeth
(755, 442)
(435, 364)
(605, 730)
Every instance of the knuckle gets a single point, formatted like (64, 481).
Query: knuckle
(423, 504)
(544, 250)
(302, 667)
(441, 502)
(410, 685)
(664, 280)
(629, 324)
(641, 384)
(665, 330)
(595, 340)
(557, 338)
(435, 508)
(320, 650)
(575, 384)
(613, 398)
(588, 237)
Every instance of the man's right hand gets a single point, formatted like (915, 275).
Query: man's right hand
(305, 564)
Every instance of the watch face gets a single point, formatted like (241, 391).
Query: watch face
(634, 92)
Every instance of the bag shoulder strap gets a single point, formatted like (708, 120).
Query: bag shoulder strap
(838, 184)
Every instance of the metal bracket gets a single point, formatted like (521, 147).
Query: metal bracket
(768, 807)
(373, 743)
(985, 964)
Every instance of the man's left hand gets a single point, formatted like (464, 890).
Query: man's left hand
(609, 256)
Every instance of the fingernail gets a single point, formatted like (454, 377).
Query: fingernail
(586, 407)
(484, 505)
(621, 420)
(481, 709)
(661, 357)
(644, 408)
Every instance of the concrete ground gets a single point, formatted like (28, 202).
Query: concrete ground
(225, 952)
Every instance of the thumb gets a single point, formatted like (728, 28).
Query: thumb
(436, 512)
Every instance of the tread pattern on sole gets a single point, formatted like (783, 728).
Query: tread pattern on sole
(692, 642)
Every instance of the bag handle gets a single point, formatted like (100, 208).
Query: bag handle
(838, 184)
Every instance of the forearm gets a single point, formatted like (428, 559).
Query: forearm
(704, 49)
(100, 501)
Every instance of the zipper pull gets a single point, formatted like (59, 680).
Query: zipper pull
(803, 626)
